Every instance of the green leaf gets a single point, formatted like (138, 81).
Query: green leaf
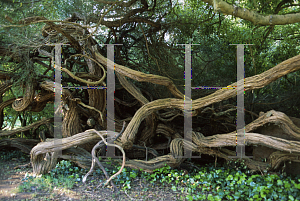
(174, 188)
(291, 198)
(189, 197)
(256, 196)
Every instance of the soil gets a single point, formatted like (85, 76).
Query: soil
(11, 178)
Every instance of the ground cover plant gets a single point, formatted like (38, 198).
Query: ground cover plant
(201, 183)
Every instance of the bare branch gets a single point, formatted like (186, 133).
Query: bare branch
(253, 16)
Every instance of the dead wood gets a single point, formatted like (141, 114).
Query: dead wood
(42, 150)
(95, 159)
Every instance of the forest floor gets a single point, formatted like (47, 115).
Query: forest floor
(11, 178)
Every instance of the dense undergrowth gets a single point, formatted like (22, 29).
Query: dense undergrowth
(202, 183)
(12, 154)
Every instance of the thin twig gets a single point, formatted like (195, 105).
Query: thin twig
(95, 159)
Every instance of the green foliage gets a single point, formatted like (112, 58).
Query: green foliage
(220, 183)
(206, 183)
(126, 177)
(67, 169)
(7, 155)
(45, 182)
(64, 175)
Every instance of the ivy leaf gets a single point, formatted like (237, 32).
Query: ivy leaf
(174, 188)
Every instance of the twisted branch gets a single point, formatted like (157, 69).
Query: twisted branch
(95, 159)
